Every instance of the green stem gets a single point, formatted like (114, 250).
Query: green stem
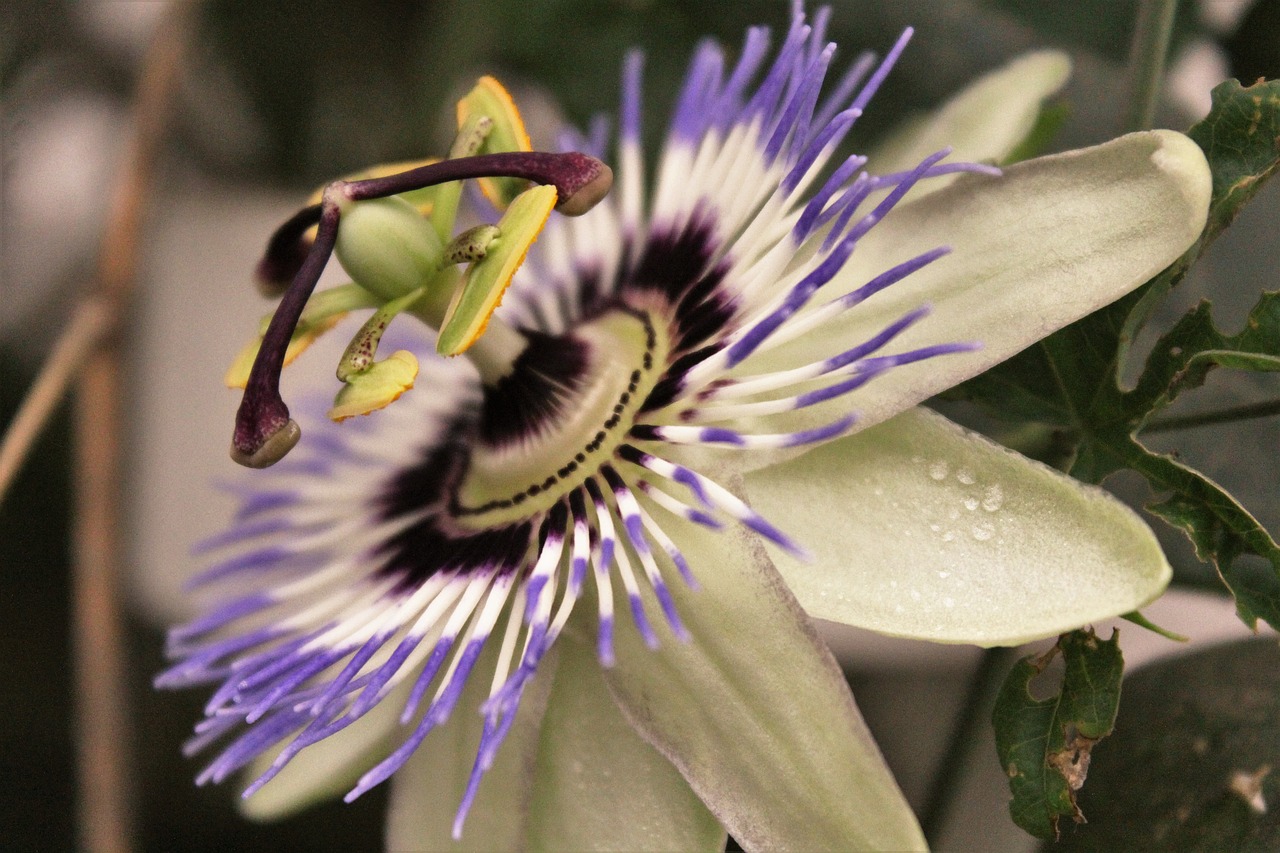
(1147, 53)
(1221, 416)
(967, 732)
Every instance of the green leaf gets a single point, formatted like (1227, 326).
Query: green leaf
(1068, 383)
(1241, 139)
(1045, 745)
(1201, 741)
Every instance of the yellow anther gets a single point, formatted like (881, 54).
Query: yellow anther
(487, 279)
(491, 100)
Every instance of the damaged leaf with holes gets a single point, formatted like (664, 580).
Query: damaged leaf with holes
(1045, 744)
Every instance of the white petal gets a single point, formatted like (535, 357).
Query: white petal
(426, 792)
(754, 711)
(922, 529)
(1052, 240)
(983, 123)
(598, 785)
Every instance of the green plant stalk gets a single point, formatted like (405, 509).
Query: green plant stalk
(1246, 412)
(1147, 54)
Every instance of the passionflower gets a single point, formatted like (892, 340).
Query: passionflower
(560, 585)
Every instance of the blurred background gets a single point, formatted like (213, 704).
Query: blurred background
(274, 99)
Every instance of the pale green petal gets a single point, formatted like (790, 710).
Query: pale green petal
(1052, 240)
(324, 770)
(754, 711)
(983, 123)
(426, 792)
(922, 529)
(598, 785)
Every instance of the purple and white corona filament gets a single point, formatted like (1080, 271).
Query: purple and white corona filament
(396, 558)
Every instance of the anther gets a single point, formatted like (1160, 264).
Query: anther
(471, 245)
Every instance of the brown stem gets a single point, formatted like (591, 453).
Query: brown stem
(91, 320)
(103, 732)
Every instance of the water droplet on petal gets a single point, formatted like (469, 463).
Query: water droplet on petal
(938, 470)
(993, 498)
(971, 504)
(964, 475)
(983, 532)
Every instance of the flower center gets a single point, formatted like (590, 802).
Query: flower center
(559, 416)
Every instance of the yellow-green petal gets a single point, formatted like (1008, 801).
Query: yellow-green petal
(922, 529)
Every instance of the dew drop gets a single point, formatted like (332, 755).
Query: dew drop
(971, 504)
(949, 536)
(938, 470)
(964, 475)
(983, 532)
(944, 575)
(993, 498)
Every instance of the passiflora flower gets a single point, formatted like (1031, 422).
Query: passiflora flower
(561, 585)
